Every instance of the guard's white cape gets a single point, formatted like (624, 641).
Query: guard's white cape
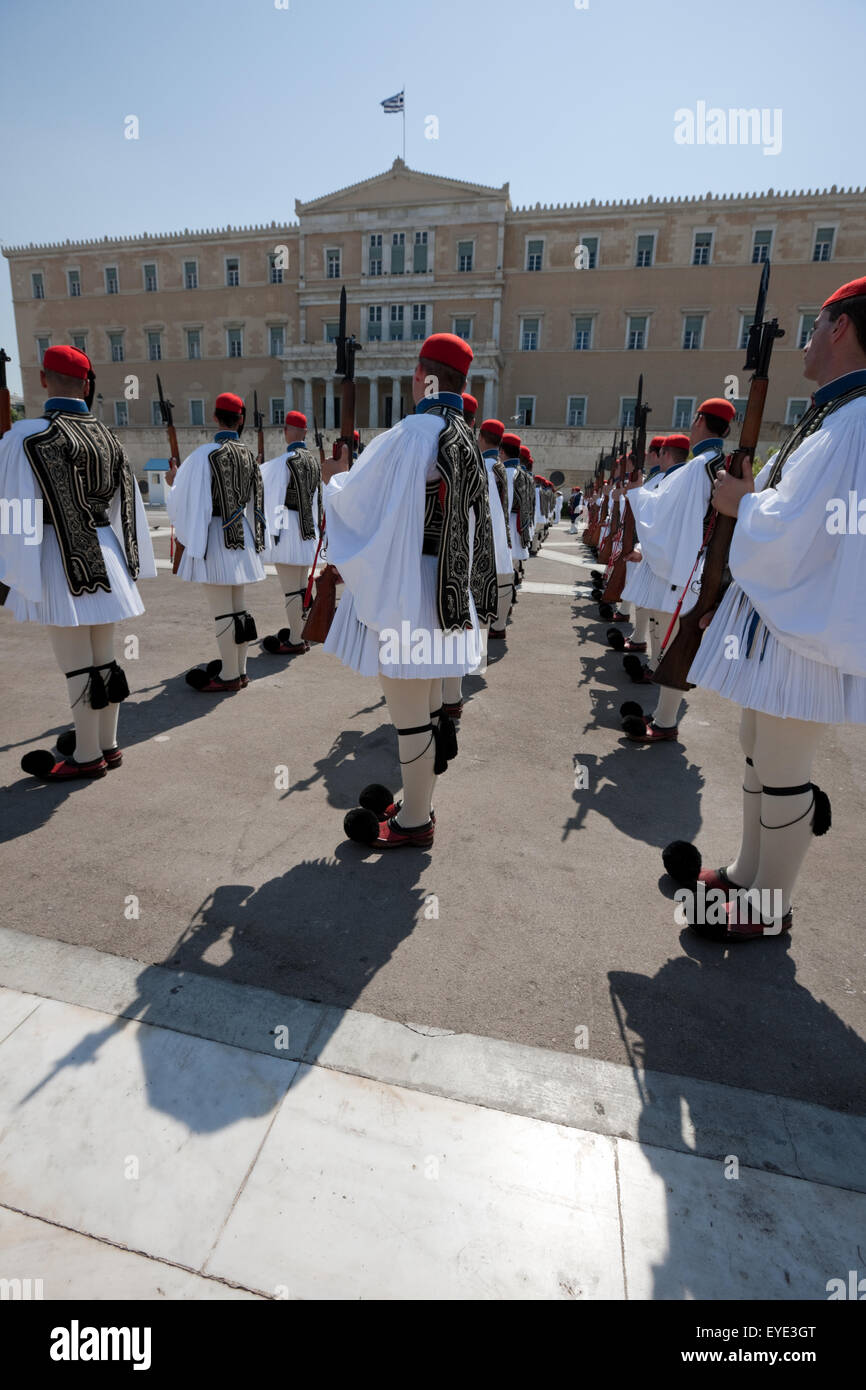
(283, 541)
(669, 519)
(504, 562)
(375, 527)
(806, 582)
(518, 549)
(20, 559)
(190, 502)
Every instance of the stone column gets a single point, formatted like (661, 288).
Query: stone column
(329, 402)
(289, 394)
(374, 403)
(308, 398)
(396, 395)
(487, 409)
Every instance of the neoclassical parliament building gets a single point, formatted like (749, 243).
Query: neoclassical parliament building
(563, 305)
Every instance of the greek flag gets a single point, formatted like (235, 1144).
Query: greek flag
(393, 103)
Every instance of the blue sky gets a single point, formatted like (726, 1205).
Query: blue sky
(243, 106)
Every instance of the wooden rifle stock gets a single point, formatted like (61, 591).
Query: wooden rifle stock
(5, 425)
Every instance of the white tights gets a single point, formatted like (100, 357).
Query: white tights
(224, 599)
(410, 703)
(292, 579)
(669, 700)
(74, 649)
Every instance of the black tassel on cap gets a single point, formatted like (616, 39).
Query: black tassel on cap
(823, 818)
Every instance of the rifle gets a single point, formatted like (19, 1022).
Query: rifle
(165, 408)
(318, 438)
(673, 669)
(616, 581)
(5, 425)
(259, 426)
(346, 349)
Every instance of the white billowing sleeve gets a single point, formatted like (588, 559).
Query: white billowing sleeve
(146, 562)
(670, 521)
(375, 526)
(274, 482)
(189, 502)
(21, 522)
(804, 579)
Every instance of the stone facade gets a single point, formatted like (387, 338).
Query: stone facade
(667, 291)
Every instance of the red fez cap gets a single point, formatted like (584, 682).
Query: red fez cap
(717, 405)
(357, 436)
(849, 291)
(657, 442)
(296, 420)
(448, 349)
(470, 405)
(524, 451)
(677, 441)
(494, 429)
(230, 403)
(511, 441)
(66, 361)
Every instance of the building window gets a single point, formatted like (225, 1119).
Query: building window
(419, 321)
(684, 412)
(155, 413)
(333, 260)
(465, 250)
(529, 335)
(278, 410)
(823, 249)
(398, 253)
(331, 332)
(190, 275)
(419, 262)
(591, 244)
(275, 272)
(42, 346)
(196, 412)
(702, 248)
(233, 271)
(463, 329)
(644, 253)
(746, 321)
(582, 335)
(235, 337)
(193, 344)
(154, 347)
(576, 412)
(797, 407)
(376, 253)
(534, 254)
(150, 283)
(807, 323)
(396, 334)
(37, 284)
(627, 408)
(740, 404)
(525, 409)
(636, 337)
(277, 334)
(761, 247)
(115, 343)
(121, 413)
(74, 279)
(79, 340)
(693, 332)
(111, 285)
(374, 323)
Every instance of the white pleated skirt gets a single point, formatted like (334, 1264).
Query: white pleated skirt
(773, 679)
(220, 564)
(290, 547)
(649, 590)
(59, 608)
(437, 653)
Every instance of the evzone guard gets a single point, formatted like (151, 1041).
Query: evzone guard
(293, 510)
(75, 574)
(216, 505)
(666, 565)
(786, 643)
(521, 504)
(409, 530)
(489, 439)
(636, 644)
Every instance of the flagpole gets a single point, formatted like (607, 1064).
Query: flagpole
(404, 122)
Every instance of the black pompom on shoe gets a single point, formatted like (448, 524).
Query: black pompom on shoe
(38, 763)
(605, 612)
(634, 726)
(682, 861)
(198, 678)
(615, 639)
(630, 707)
(361, 825)
(376, 798)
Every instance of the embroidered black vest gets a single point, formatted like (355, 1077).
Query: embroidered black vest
(811, 421)
(523, 502)
(79, 466)
(500, 477)
(463, 490)
(305, 478)
(235, 479)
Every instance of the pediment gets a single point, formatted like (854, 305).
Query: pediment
(403, 187)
